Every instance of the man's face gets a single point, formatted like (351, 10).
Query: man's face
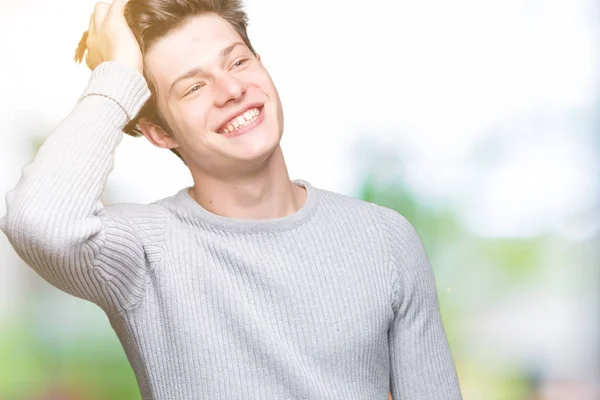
(228, 89)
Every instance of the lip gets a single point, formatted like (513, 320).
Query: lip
(237, 113)
(246, 128)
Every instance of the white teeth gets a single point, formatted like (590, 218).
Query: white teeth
(241, 120)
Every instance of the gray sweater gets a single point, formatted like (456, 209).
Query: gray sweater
(335, 301)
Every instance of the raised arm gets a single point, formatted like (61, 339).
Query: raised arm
(422, 367)
(55, 219)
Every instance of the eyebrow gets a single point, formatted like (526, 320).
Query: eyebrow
(198, 70)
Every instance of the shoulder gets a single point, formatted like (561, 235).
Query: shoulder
(399, 235)
(389, 220)
(136, 212)
(346, 205)
(406, 256)
(403, 242)
(137, 221)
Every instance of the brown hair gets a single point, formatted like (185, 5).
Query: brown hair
(151, 20)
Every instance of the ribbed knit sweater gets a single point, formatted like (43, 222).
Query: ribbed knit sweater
(334, 301)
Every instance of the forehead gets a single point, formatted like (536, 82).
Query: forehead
(197, 43)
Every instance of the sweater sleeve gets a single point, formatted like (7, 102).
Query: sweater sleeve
(55, 220)
(421, 363)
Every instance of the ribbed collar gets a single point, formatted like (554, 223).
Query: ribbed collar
(184, 201)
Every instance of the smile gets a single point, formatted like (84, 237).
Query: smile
(243, 122)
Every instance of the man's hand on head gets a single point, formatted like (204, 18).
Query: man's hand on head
(109, 38)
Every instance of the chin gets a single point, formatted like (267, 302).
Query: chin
(263, 148)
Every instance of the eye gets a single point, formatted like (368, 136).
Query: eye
(240, 62)
(193, 89)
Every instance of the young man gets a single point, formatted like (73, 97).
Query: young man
(247, 285)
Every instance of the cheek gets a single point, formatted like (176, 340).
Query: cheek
(192, 116)
(270, 86)
(260, 77)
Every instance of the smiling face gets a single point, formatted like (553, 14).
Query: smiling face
(216, 96)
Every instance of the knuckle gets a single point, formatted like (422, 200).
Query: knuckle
(101, 5)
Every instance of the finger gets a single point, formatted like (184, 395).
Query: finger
(100, 12)
(117, 7)
(88, 41)
(91, 25)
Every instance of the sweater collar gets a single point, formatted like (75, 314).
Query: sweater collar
(183, 201)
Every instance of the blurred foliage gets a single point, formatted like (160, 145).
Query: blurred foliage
(83, 369)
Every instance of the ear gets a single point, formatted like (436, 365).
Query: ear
(258, 57)
(156, 135)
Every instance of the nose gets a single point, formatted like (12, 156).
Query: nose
(228, 88)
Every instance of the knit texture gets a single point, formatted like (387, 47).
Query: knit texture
(335, 301)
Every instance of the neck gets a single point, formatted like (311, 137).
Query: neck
(267, 193)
